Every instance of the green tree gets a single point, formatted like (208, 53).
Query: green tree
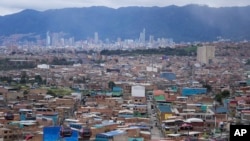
(248, 62)
(111, 85)
(38, 79)
(225, 93)
(209, 87)
(24, 77)
(218, 98)
(52, 93)
(25, 92)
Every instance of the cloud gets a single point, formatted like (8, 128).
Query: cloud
(6, 10)
(12, 6)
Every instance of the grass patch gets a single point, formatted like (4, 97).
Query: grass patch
(59, 92)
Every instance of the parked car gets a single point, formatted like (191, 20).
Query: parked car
(186, 126)
(65, 131)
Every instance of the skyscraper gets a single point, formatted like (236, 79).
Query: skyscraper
(48, 40)
(144, 35)
(205, 54)
(142, 38)
(55, 39)
(151, 39)
(96, 37)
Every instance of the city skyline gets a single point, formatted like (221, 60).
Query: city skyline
(13, 6)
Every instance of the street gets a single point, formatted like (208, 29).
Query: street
(155, 132)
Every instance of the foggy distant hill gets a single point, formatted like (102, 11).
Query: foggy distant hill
(187, 23)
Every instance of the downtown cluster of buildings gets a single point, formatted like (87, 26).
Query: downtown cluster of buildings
(127, 98)
(62, 40)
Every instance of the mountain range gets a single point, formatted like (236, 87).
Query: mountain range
(186, 23)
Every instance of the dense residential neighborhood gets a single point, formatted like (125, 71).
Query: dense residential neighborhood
(67, 94)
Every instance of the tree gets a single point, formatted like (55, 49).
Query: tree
(38, 79)
(137, 114)
(52, 93)
(24, 77)
(25, 92)
(220, 96)
(225, 93)
(111, 85)
(248, 62)
(209, 88)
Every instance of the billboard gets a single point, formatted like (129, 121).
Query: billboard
(138, 91)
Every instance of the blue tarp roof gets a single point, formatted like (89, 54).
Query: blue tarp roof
(165, 108)
(193, 91)
(53, 134)
(117, 89)
(220, 110)
(168, 75)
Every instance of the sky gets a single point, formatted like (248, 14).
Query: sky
(13, 6)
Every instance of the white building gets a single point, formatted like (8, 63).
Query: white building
(43, 66)
(205, 54)
(138, 91)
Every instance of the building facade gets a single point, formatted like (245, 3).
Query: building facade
(205, 54)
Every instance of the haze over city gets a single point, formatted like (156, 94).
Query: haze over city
(13, 6)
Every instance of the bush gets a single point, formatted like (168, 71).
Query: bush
(220, 96)
(59, 92)
(225, 93)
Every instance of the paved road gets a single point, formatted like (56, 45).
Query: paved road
(155, 132)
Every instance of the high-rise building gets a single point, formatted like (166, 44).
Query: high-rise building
(205, 54)
(151, 39)
(96, 37)
(71, 41)
(55, 39)
(62, 41)
(48, 40)
(142, 38)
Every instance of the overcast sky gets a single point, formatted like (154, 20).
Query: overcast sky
(13, 6)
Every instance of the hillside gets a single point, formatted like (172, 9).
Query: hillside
(187, 23)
